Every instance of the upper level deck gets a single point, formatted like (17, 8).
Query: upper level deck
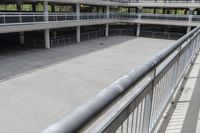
(16, 22)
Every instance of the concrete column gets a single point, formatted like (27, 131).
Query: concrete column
(139, 17)
(78, 28)
(107, 30)
(46, 31)
(78, 32)
(107, 11)
(47, 38)
(189, 29)
(139, 12)
(138, 30)
(190, 18)
(21, 38)
(78, 11)
(46, 12)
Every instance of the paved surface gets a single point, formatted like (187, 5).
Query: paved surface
(31, 101)
(185, 118)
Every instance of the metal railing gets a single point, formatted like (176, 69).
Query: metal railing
(64, 40)
(154, 1)
(129, 31)
(147, 91)
(164, 35)
(165, 1)
(11, 18)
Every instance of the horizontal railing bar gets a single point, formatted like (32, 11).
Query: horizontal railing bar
(19, 18)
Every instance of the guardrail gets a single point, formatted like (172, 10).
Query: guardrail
(152, 88)
(12, 18)
(154, 1)
(164, 35)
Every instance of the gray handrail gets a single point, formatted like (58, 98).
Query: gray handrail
(84, 114)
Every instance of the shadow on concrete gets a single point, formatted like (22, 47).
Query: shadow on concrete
(16, 59)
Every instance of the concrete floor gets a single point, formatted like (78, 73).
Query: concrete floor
(56, 81)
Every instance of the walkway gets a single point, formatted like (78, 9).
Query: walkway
(186, 117)
(31, 101)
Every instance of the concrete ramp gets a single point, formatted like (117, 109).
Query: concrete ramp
(33, 100)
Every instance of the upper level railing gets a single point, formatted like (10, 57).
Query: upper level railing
(155, 1)
(144, 92)
(11, 18)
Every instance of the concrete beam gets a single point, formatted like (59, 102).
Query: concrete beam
(53, 25)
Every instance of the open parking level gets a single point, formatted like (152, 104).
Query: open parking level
(31, 101)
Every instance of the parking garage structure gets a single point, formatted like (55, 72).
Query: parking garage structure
(47, 24)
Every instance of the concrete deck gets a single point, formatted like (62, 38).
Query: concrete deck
(185, 118)
(31, 101)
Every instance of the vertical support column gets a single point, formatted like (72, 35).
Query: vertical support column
(78, 11)
(78, 32)
(191, 10)
(46, 12)
(107, 30)
(21, 38)
(139, 17)
(107, 17)
(21, 34)
(78, 28)
(107, 11)
(47, 38)
(46, 32)
(138, 30)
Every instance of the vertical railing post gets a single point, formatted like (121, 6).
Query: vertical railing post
(148, 106)
(4, 18)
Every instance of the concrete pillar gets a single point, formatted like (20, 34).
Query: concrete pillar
(47, 38)
(191, 11)
(107, 30)
(139, 17)
(107, 11)
(78, 28)
(21, 38)
(78, 11)
(78, 32)
(46, 12)
(138, 30)
(139, 12)
(189, 29)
